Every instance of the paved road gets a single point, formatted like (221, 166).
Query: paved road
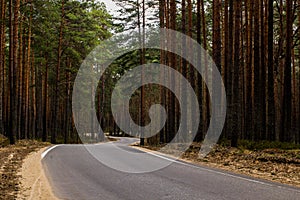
(75, 174)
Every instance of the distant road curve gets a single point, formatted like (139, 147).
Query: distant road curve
(75, 174)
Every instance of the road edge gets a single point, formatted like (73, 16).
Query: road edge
(34, 183)
(218, 169)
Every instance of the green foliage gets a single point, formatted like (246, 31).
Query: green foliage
(72, 26)
(85, 25)
(129, 12)
(260, 145)
(224, 142)
(4, 141)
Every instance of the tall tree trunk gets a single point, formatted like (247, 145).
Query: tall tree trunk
(263, 72)
(229, 86)
(162, 5)
(20, 83)
(271, 95)
(294, 96)
(200, 134)
(217, 33)
(45, 99)
(257, 74)
(298, 102)
(278, 79)
(67, 101)
(10, 75)
(287, 93)
(38, 90)
(173, 64)
(23, 100)
(2, 66)
(183, 62)
(32, 116)
(242, 73)
(143, 105)
(142, 61)
(190, 51)
(226, 44)
(236, 95)
(249, 70)
(58, 66)
(206, 99)
(13, 33)
(16, 66)
(217, 51)
(167, 61)
(26, 79)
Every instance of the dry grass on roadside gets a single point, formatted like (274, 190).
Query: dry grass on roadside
(11, 159)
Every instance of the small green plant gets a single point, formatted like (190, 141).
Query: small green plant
(3, 141)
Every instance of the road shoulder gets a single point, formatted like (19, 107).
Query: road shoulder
(233, 161)
(34, 184)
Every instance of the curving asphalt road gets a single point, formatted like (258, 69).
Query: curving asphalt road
(75, 173)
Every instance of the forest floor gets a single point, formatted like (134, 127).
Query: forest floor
(11, 161)
(276, 165)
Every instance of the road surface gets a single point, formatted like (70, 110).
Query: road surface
(75, 173)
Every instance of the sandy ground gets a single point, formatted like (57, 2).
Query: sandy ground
(34, 184)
